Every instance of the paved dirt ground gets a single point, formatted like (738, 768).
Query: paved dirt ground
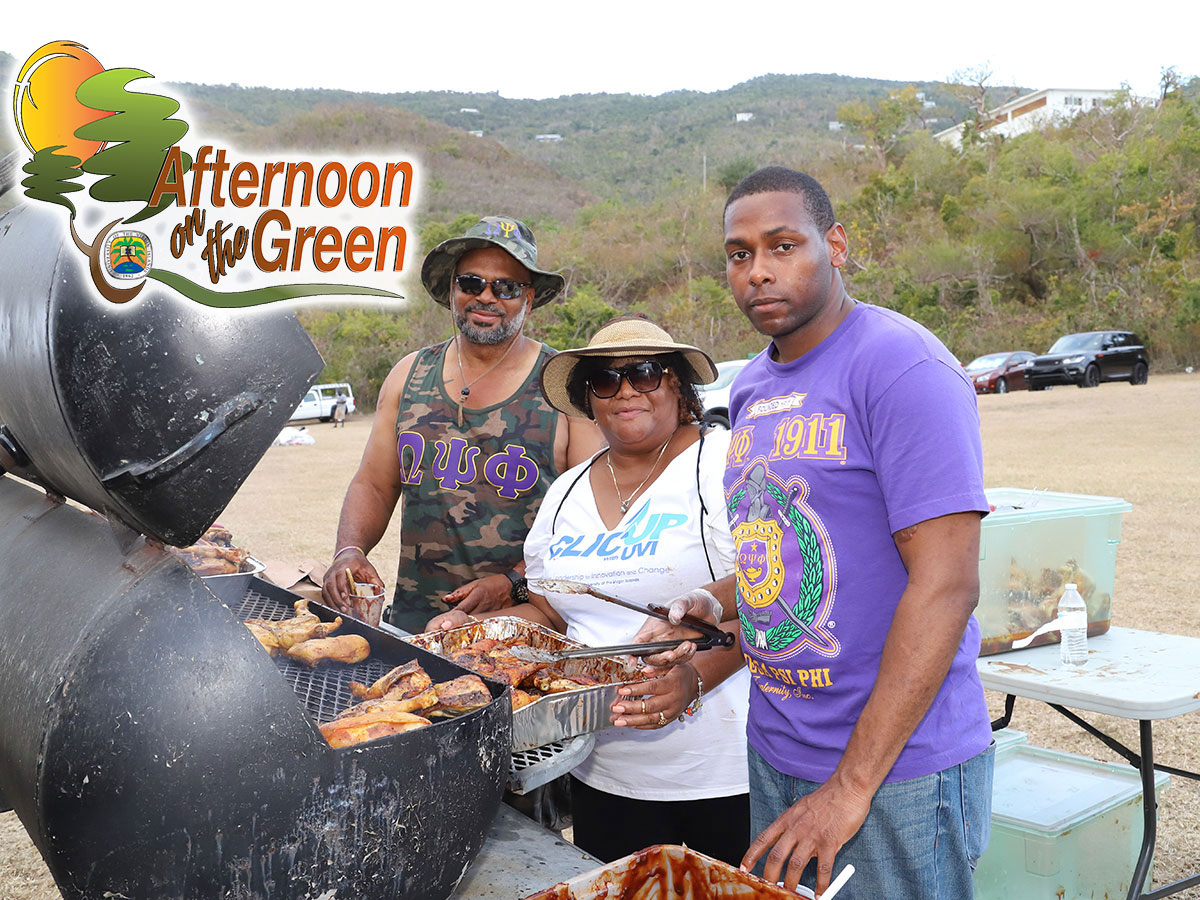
(1136, 443)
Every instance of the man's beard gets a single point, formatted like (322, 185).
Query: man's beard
(497, 334)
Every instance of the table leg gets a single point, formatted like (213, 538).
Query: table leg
(1150, 818)
(1010, 701)
(1149, 812)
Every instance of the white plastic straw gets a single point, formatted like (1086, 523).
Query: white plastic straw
(836, 884)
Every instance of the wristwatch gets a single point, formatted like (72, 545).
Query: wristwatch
(694, 706)
(519, 592)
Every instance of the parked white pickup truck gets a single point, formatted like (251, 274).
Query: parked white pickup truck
(318, 402)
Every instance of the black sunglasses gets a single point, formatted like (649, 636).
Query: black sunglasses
(643, 377)
(502, 288)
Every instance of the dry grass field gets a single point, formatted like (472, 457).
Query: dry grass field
(1136, 443)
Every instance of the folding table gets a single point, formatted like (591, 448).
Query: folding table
(1131, 674)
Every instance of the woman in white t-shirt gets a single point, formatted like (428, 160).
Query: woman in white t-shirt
(645, 519)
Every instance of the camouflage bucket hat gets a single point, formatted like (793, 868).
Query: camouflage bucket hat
(511, 236)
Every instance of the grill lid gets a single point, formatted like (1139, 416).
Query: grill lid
(153, 412)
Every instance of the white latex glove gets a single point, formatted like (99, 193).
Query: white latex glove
(699, 603)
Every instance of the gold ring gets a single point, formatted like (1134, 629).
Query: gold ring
(662, 718)
(643, 707)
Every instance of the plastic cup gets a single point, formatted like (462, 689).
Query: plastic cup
(367, 604)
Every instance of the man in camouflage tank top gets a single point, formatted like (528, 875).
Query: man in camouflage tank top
(463, 432)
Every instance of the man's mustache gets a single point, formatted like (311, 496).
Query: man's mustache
(484, 307)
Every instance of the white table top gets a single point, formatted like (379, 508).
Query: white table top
(1130, 673)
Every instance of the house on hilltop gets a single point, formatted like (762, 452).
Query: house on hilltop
(1049, 106)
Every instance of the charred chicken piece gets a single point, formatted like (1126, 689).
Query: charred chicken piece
(356, 729)
(476, 660)
(493, 659)
(346, 648)
(522, 698)
(219, 535)
(553, 682)
(206, 558)
(423, 701)
(513, 670)
(461, 695)
(403, 681)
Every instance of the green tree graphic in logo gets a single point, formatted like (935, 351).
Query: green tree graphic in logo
(137, 138)
(51, 177)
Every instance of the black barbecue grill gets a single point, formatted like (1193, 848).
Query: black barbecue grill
(149, 745)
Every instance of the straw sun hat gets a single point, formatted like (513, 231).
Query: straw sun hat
(623, 336)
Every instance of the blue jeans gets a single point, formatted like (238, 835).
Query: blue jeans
(920, 841)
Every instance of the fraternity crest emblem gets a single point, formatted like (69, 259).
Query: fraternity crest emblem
(760, 563)
(785, 601)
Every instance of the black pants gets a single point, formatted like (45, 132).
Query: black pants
(609, 827)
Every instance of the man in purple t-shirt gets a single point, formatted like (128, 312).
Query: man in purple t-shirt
(854, 485)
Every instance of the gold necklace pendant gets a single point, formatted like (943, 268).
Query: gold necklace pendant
(611, 471)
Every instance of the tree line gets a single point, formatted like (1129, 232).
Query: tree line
(1003, 244)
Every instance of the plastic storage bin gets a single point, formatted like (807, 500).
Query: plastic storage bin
(1063, 827)
(1007, 738)
(1033, 544)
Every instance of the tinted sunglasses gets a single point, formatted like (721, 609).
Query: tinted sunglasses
(502, 288)
(643, 377)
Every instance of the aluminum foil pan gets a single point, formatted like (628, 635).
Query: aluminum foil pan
(230, 589)
(555, 716)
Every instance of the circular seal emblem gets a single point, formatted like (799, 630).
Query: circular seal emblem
(127, 255)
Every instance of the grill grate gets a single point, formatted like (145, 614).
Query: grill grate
(540, 765)
(523, 759)
(325, 690)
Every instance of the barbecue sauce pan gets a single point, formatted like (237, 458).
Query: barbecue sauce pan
(153, 411)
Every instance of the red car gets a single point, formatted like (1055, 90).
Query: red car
(999, 373)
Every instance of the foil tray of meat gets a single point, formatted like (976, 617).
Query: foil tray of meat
(667, 872)
(551, 702)
(226, 568)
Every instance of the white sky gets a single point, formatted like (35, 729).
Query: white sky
(535, 48)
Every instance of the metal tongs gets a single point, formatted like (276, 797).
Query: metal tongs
(713, 636)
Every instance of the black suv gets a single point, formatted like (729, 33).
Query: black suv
(1088, 358)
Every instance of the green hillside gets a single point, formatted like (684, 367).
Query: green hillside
(620, 146)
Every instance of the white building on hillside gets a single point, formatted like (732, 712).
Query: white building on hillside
(1050, 106)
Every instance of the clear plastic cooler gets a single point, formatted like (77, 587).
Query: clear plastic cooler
(1033, 544)
(1063, 827)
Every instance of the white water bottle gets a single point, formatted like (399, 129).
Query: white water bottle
(1072, 622)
